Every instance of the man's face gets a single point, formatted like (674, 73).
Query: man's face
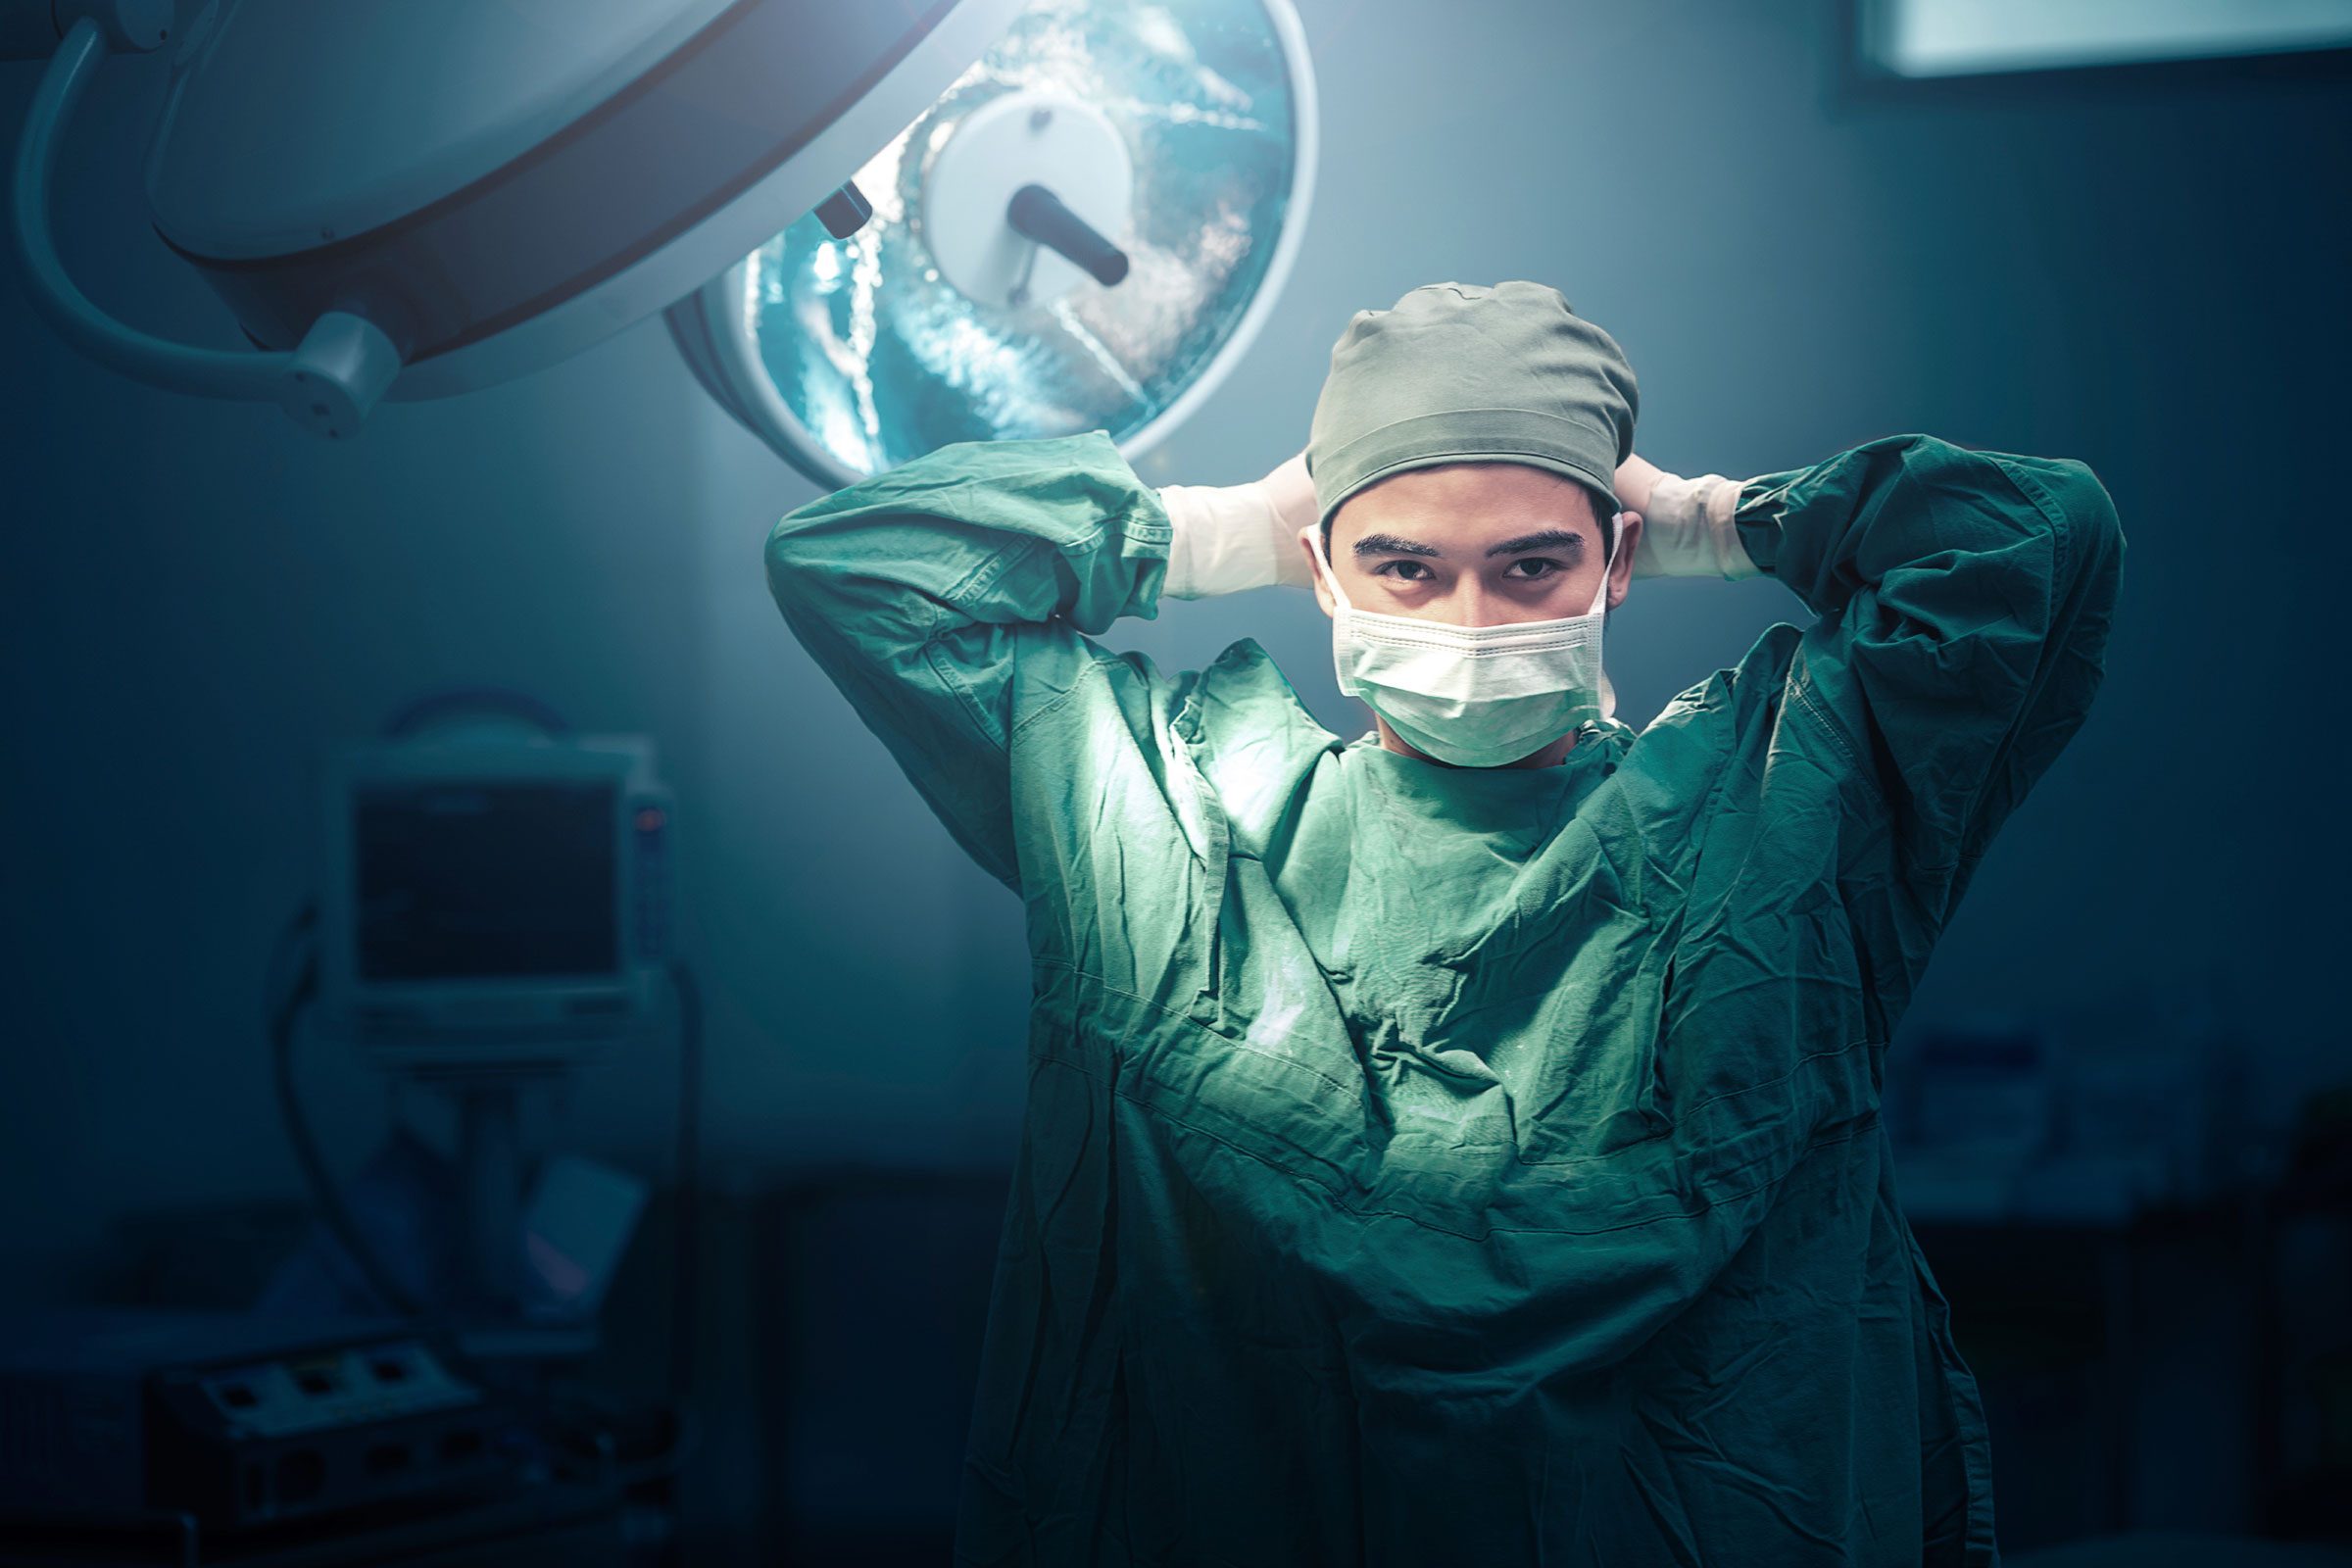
(1474, 544)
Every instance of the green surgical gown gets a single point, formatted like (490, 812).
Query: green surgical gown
(1426, 1166)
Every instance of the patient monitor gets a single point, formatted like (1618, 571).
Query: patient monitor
(494, 897)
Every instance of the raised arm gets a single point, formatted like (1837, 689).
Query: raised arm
(1962, 602)
(947, 600)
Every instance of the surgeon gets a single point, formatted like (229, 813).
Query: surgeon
(1460, 1145)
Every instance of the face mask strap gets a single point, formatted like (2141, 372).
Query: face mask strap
(1331, 578)
(1608, 563)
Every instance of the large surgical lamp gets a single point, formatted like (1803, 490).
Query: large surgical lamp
(883, 225)
(1084, 233)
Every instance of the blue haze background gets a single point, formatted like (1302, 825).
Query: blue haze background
(2143, 269)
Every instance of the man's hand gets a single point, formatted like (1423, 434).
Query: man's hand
(1292, 494)
(1637, 476)
(1688, 527)
(1232, 537)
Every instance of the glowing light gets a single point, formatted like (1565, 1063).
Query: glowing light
(880, 358)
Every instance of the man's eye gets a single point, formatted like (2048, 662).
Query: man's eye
(1386, 570)
(1548, 567)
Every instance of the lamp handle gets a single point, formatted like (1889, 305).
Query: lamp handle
(329, 382)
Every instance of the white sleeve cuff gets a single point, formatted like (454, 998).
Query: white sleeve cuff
(1224, 538)
(1688, 530)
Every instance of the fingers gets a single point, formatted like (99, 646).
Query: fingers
(1294, 492)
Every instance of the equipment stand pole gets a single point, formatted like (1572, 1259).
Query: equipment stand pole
(490, 1166)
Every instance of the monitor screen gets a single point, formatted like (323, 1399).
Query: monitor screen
(460, 881)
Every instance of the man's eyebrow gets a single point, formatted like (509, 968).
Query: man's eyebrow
(1548, 539)
(1388, 544)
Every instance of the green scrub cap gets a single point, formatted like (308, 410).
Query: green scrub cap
(1460, 374)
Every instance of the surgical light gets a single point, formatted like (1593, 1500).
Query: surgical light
(1084, 232)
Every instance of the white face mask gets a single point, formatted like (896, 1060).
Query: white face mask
(1473, 696)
